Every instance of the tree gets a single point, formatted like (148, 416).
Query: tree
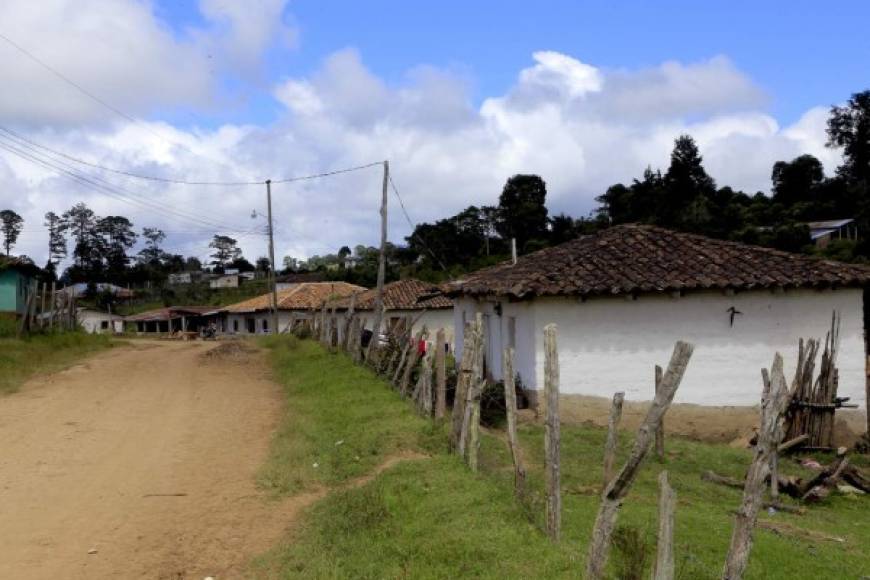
(687, 188)
(11, 225)
(263, 264)
(82, 222)
(56, 238)
(291, 264)
(849, 128)
(192, 264)
(522, 213)
(797, 180)
(226, 250)
(562, 229)
(152, 253)
(116, 237)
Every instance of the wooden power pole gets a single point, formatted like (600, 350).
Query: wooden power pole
(273, 278)
(382, 269)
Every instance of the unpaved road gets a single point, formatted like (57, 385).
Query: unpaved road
(145, 454)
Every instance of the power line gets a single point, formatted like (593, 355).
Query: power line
(328, 173)
(411, 224)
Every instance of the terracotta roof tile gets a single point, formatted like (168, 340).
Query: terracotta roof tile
(400, 295)
(303, 296)
(641, 258)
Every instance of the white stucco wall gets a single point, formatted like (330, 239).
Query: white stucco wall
(91, 322)
(283, 320)
(612, 344)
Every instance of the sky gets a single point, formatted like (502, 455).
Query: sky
(458, 96)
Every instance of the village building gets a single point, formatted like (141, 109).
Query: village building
(421, 302)
(296, 305)
(823, 232)
(621, 298)
(80, 289)
(169, 319)
(90, 320)
(16, 278)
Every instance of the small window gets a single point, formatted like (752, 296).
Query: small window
(512, 331)
(235, 325)
(104, 324)
(265, 325)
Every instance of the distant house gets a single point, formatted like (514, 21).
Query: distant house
(80, 289)
(225, 281)
(623, 296)
(16, 278)
(180, 278)
(823, 232)
(169, 319)
(422, 302)
(296, 304)
(93, 321)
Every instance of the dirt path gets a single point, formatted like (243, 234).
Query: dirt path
(146, 455)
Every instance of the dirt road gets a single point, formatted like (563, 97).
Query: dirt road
(139, 463)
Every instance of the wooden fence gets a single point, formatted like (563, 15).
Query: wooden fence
(47, 309)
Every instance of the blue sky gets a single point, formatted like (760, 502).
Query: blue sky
(801, 53)
(458, 96)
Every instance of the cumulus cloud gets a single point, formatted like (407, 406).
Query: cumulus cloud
(581, 127)
(124, 54)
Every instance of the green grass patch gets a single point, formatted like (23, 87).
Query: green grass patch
(21, 359)
(433, 518)
(341, 421)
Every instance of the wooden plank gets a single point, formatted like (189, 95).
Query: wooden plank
(510, 397)
(440, 374)
(552, 434)
(664, 568)
(617, 489)
(771, 413)
(660, 430)
(612, 440)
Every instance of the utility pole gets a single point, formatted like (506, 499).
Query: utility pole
(273, 279)
(382, 269)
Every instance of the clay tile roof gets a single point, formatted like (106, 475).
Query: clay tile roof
(400, 295)
(167, 313)
(303, 296)
(641, 258)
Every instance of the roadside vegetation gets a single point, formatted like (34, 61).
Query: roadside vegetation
(21, 359)
(432, 518)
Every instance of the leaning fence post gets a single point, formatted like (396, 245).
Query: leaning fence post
(462, 384)
(551, 435)
(440, 375)
(510, 398)
(612, 440)
(413, 359)
(664, 569)
(773, 406)
(617, 489)
(474, 384)
(660, 430)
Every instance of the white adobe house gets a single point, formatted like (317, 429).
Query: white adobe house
(297, 304)
(99, 322)
(422, 302)
(621, 298)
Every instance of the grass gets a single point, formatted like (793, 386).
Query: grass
(21, 359)
(432, 518)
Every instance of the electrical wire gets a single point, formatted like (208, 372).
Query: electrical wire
(413, 227)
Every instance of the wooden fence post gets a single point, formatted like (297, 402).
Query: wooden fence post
(771, 412)
(440, 375)
(462, 383)
(53, 305)
(413, 359)
(510, 398)
(664, 569)
(474, 384)
(660, 430)
(617, 489)
(552, 435)
(612, 440)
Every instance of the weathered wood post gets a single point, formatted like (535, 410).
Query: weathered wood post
(476, 389)
(462, 385)
(440, 375)
(510, 398)
(660, 430)
(413, 359)
(612, 440)
(664, 569)
(53, 305)
(618, 488)
(551, 433)
(474, 384)
(773, 406)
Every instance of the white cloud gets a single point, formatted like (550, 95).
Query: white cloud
(582, 128)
